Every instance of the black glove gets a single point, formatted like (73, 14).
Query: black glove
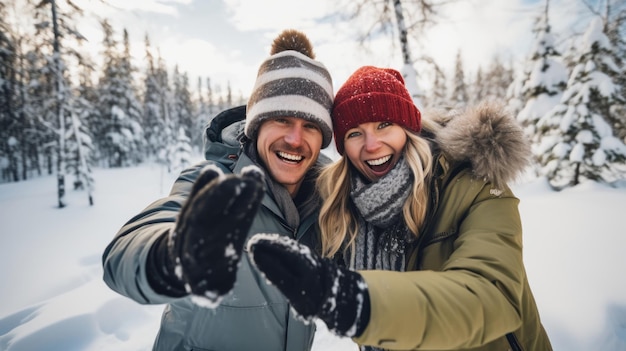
(202, 254)
(314, 286)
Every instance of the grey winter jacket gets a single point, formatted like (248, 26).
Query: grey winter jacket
(255, 316)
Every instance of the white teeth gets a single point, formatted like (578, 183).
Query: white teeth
(378, 161)
(289, 156)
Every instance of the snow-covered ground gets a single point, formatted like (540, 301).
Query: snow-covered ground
(52, 296)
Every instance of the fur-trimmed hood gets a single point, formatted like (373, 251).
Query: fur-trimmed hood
(486, 135)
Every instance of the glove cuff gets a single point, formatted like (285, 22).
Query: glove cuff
(160, 270)
(363, 319)
(346, 310)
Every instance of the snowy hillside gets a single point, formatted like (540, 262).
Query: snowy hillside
(53, 298)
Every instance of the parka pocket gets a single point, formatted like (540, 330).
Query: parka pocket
(238, 328)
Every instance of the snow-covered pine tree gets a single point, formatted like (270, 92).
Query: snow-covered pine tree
(229, 95)
(579, 144)
(57, 106)
(544, 83)
(80, 147)
(477, 87)
(514, 97)
(491, 83)
(210, 100)
(202, 115)
(153, 118)
(169, 122)
(437, 96)
(79, 150)
(133, 106)
(25, 85)
(459, 96)
(540, 83)
(183, 106)
(11, 150)
(35, 87)
(180, 154)
(496, 80)
(615, 30)
(119, 134)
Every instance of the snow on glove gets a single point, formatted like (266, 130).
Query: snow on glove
(204, 250)
(314, 286)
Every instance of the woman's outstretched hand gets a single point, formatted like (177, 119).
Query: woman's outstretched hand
(314, 286)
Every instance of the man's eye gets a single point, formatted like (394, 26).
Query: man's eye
(312, 126)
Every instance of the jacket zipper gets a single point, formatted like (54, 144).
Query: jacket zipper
(512, 339)
(421, 242)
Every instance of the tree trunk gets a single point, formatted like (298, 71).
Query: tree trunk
(408, 71)
(402, 33)
(82, 161)
(576, 179)
(59, 109)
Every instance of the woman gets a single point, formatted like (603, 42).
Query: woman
(421, 213)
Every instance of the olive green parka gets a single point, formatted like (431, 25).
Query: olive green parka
(466, 286)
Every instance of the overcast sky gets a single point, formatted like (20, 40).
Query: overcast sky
(226, 40)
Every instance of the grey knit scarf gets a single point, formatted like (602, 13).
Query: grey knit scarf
(383, 236)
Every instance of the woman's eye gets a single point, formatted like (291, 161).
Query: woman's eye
(384, 124)
(352, 134)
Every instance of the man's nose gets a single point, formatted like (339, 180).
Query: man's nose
(294, 136)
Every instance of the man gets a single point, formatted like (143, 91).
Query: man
(185, 250)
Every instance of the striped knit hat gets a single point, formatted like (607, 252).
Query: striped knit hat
(290, 83)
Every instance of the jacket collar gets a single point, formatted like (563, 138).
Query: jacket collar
(486, 136)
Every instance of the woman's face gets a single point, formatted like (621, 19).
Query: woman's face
(374, 147)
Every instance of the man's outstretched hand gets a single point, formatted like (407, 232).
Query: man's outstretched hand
(314, 286)
(203, 252)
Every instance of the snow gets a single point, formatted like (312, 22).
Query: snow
(53, 296)
(577, 154)
(594, 34)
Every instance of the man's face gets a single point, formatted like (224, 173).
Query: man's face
(289, 147)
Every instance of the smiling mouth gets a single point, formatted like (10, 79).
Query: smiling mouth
(289, 157)
(379, 164)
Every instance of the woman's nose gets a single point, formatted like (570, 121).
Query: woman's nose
(372, 142)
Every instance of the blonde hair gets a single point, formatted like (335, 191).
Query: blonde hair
(337, 218)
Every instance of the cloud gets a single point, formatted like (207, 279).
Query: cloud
(166, 7)
(200, 58)
(249, 15)
(226, 40)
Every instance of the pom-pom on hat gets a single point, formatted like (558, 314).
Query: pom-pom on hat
(373, 94)
(290, 83)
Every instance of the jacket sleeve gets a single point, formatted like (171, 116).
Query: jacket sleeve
(474, 299)
(124, 259)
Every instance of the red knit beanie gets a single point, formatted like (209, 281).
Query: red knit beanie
(373, 94)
